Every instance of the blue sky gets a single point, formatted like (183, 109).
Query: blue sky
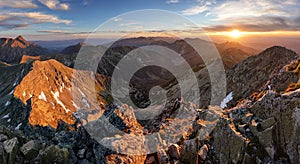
(63, 19)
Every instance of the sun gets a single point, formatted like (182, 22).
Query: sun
(235, 34)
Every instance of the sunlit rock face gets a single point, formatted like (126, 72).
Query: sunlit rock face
(49, 85)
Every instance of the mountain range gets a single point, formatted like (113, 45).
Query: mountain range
(48, 106)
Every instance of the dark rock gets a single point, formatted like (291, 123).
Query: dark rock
(31, 149)
(203, 152)
(162, 157)
(11, 148)
(174, 151)
(2, 157)
(189, 151)
(55, 154)
(3, 137)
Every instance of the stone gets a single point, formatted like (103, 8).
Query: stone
(31, 149)
(11, 148)
(268, 123)
(55, 154)
(2, 159)
(150, 160)
(203, 152)
(189, 151)
(81, 153)
(162, 157)
(174, 151)
(3, 137)
(83, 161)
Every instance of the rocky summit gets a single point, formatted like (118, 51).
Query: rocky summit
(12, 50)
(53, 113)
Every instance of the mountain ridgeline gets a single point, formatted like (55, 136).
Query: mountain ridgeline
(47, 107)
(12, 50)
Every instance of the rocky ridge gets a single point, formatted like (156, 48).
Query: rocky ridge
(259, 126)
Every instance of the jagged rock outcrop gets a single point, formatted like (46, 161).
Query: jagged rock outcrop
(12, 50)
(250, 75)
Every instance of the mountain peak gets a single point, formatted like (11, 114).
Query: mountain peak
(20, 42)
(20, 38)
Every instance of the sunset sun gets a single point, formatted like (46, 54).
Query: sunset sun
(235, 34)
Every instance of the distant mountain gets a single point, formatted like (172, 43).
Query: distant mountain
(224, 46)
(57, 44)
(12, 50)
(73, 49)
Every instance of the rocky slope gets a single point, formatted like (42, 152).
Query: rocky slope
(260, 124)
(12, 50)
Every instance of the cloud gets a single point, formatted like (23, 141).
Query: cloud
(52, 31)
(255, 15)
(17, 20)
(55, 4)
(63, 32)
(232, 10)
(172, 1)
(195, 10)
(8, 25)
(38, 17)
(260, 25)
(201, 7)
(18, 4)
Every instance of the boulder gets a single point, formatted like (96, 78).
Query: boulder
(31, 149)
(11, 148)
(174, 151)
(162, 157)
(55, 154)
(3, 137)
(203, 152)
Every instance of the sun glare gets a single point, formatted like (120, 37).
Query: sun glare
(235, 33)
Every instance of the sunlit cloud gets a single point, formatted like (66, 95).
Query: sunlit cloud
(17, 20)
(38, 17)
(195, 10)
(232, 10)
(18, 4)
(55, 4)
(255, 15)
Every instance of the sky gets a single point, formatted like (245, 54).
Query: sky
(70, 19)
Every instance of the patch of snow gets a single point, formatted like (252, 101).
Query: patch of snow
(85, 102)
(75, 105)
(8, 120)
(11, 92)
(7, 103)
(62, 87)
(56, 97)
(226, 100)
(42, 96)
(18, 127)
(6, 116)
(83, 95)
(15, 83)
